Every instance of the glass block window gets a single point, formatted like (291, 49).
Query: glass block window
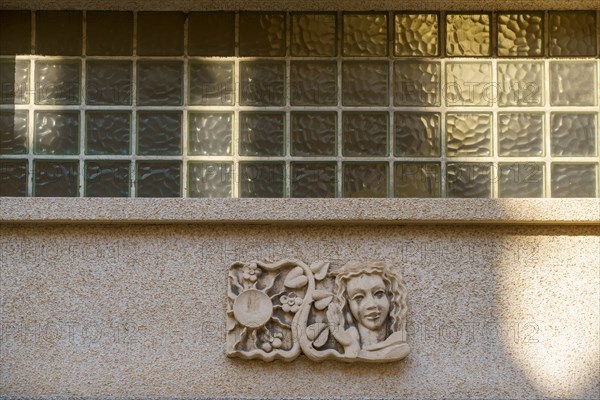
(356, 104)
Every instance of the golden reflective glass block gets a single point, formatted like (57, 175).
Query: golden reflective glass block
(468, 35)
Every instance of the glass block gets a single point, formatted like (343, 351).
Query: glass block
(573, 83)
(209, 179)
(574, 180)
(160, 33)
(159, 133)
(520, 134)
(365, 83)
(108, 133)
(158, 179)
(313, 180)
(58, 33)
(56, 132)
(204, 27)
(262, 34)
(211, 83)
(14, 82)
(262, 179)
(468, 180)
(313, 133)
(210, 133)
(262, 83)
(520, 84)
(15, 32)
(107, 178)
(14, 132)
(468, 35)
(417, 83)
(313, 35)
(573, 134)
(416, 35)
(365, 134)
(521, 34)
(521, 180)
(572, 33)
(469, 84)
(13, 178)
(262, 133)
(365, 179)
(57, 82)
(365, 35)
(55, 178)
(313, 83)
(109, 33)
(417, 134)
(160, 83)
(468, 134)
(420, 180)
(108, 82)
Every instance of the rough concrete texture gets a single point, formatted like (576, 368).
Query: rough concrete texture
(494, 311)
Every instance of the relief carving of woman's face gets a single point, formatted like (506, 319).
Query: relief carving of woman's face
(368, 300)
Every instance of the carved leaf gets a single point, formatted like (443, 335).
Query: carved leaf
(319, 268)
(295, 279)
(323, 303)
(313, 331)
(322, 339)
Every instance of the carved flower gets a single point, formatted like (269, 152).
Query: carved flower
(291, 302)
(275, 342)
(251, 272)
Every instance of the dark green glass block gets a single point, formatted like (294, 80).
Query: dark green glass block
(210, 133)
(262, 133)
(520, 134)
(574, 180)
(57, 82)
(417, 83)
(416, 35)
(365, 179)
(160, 33)
(56, 132)
(313, 133)
(521, 34)
(365, 34)
(211, 83)
(365, 83)
(573, 83)
(159, 133)
(55, 178)
(209, 179)
(108, 133)
(417, 134)
(108, 82)
(262, 179)
(13, 178)
(15, 32)
(109, 33)
(14, 132)
(365, 134)
(14, 82)
(313, 180)
(313, 35)
(313, 83)
(469, 180)
(107, 178)
(468, 35)
(160, 83)
(158, 179)
(415, 179)
(573, 134)
(572, 33)
(262, 83)
(204, 27)
(58, 33)
(262, 34)
(524, 180)
(468, 134)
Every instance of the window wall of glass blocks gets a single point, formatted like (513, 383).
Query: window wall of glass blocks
(299, 104)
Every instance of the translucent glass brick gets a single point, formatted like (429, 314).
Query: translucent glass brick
(211, 83)
(204, 27)
(109, 33)
(417, 83)
(57, 82)
(573, 83)
(58, 33)
(262, 179)
(108, 82)
(468, 134)
(262, 133)
(159, 133)
(13, 178)
(368, 179)
(573, 134)
(574, 180)
(313, 180)
(572, 33)
(521, 34)
(525, 180)
(365, 83)
(14, 82)
(262, 34)
(210, 133)
(160, 83)
(313, 35)
(416, 35)
(158, 179)
(469, 84)
(107, 178)
(15, 32)
(313, 133)
(417, 134)
(262, 83)
(365, 34)
(160, 33)
(108, 133)
(520, 134)
(313, 83)
(520, 84)
(469, 180)
(365, 134)
(209, 179)
(415, 179)
(55, 178)
(14, 132)
(56, 132)
(468, 35)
